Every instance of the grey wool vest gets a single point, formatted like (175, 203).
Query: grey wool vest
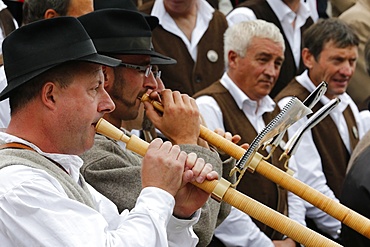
(10, 156)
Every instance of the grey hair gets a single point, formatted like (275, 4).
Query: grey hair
(34, 10)
(238, 37)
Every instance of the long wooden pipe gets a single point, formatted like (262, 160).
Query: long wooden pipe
(222, 190)
(335, 209)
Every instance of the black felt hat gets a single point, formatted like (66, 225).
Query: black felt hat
(37, 47)
(122, 31)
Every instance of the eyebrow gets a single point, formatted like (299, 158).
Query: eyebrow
(265, 54)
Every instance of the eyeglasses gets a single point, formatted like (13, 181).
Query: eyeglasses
(144, 69)
(157, 74)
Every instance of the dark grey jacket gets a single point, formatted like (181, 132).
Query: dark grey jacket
(115, 173)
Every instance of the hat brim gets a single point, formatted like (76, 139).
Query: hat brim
(100, 59)
(155, 57)
(159, 59)
(162, 61)
(93, 58)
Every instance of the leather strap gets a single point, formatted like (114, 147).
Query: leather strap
(17, 145)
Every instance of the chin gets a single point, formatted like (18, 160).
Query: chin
(134, 111)
(91, 139)
(87, 146)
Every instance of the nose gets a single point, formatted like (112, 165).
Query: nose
(347, 69)
(106, 104)
(271, 69)
(150, 82)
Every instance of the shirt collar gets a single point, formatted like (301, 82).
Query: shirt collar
(71, 163)
(205, 11)
(280, 9)
(2, 5)
(283, 12)
(204, 16)
(266, 104)
(306, 82)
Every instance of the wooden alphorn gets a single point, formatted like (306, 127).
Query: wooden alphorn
(222, 190)
(335, 209)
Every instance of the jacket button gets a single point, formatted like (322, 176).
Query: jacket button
(212, 56)
(198, 79)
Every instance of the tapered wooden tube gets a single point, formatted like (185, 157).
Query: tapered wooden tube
(270, 217)
(260, 212)
(335, 209)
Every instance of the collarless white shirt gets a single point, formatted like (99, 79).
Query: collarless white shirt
(71, 163)
(253, 110)
(286, 17)
(31, 198)
(204, 16)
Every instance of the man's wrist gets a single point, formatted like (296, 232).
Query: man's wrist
(184, 217)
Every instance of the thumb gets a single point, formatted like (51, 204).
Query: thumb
(151, 112)
(187, 176)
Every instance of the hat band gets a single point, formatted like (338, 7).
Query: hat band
(122, 44)
(69, 52)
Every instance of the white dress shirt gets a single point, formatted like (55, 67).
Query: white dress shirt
(36, 211)
(307, 162)
(4, 105)
(237, 229)
(225, 6)
(3, 6)
(254, 111)
(312, 4)
(286, 17)
(204, 16)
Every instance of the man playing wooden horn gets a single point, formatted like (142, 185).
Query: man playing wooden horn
(57, 95)
(109, 167)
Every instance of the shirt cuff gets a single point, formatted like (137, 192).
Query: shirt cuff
(177, 225)
(156, 200)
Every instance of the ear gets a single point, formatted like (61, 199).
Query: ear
(49, 94)
(108, 77)
(232, 57)
(50, 13)
(307, 58)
